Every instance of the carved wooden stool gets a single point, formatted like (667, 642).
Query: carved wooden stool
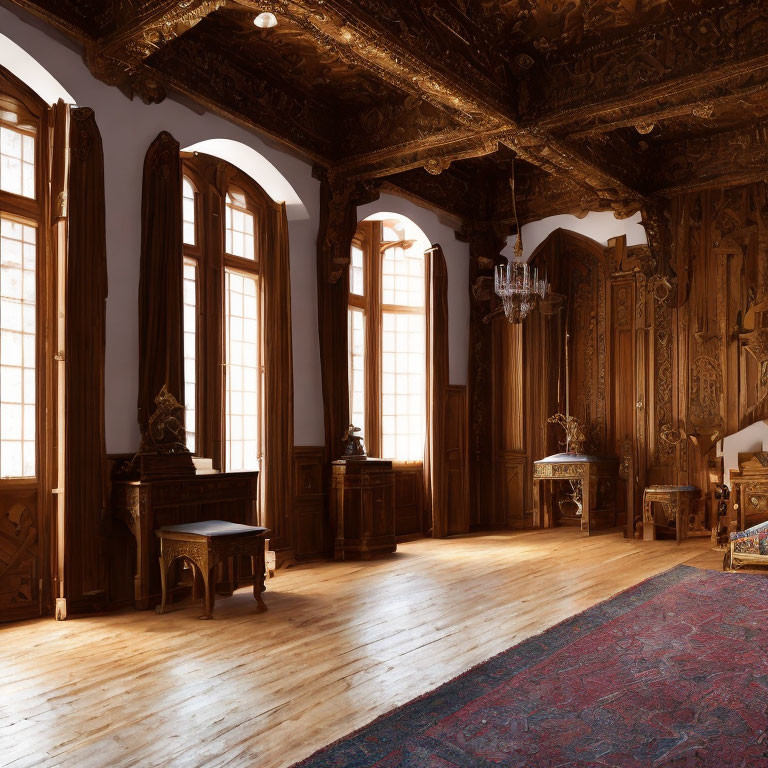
(205, 545)
(676, 502)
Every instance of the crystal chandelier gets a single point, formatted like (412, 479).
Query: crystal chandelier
(520, 288)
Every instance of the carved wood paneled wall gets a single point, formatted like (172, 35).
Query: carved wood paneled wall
(313, 535)
(484, 248)
(720, 381)
(456, 460)
(600, 299)
(578, 270)
(511, 463)
(668, 346)
(409, 500)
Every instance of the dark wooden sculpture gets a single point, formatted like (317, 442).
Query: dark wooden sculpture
(163, 451)
(353, 443)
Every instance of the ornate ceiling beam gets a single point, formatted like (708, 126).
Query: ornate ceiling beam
(679, 97)
(118, 59)
(552, 157)
(52, 18)
(700, 53)
(359, 39)
(353, 31)
(434, 154)
(725, 159)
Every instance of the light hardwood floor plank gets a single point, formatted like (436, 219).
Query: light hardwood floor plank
(342, 643)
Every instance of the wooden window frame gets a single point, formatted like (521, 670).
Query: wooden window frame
(49, 371)
(193, 252)
(36, 212)
(212, 178)
(369, 238)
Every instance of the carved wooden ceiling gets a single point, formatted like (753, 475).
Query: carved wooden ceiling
(603, 103)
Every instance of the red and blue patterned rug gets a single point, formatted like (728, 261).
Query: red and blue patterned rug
(673, 673)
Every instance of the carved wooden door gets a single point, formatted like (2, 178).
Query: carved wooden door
(576, 268)
(19, 554)
(629, 353)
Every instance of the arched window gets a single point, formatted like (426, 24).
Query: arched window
(387, 343)
(223, 369)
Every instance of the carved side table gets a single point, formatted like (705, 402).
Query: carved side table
(595, 481)
(206, 544)
(676, 502)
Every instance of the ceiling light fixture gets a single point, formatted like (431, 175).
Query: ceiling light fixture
(518, 286)
(265, 20)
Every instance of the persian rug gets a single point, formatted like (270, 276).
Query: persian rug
(672, 672)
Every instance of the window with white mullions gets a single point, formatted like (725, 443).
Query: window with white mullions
(188, 212)
(223, 358)
(240, 239)
(387, 336)
(356, 271)
(243, 371)
(190, 350)
(356, 346)
(18, 337)
(17, 155)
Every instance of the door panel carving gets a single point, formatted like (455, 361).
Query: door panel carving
(19, 551)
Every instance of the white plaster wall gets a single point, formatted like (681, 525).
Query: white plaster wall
(127, 129)
(457, 262)
(599, 225)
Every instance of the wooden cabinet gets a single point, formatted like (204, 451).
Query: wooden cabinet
(146, 505)
(363, 508)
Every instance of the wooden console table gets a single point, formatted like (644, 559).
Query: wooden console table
(597, 479)
(677, 504)
(363, 508)
(146, 505)
(205, 545)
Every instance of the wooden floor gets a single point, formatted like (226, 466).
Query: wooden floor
(341, 644)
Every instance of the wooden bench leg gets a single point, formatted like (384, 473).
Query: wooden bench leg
(163, 584)
(258, 566)
(209, 592)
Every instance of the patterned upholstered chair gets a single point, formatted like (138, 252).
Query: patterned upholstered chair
(750, 546)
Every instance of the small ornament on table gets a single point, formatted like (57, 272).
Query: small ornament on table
(354, 448)
(575, 433)
(165, 431)
(163, 451)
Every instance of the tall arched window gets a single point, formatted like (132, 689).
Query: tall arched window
(223, 369)
(387, 343)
